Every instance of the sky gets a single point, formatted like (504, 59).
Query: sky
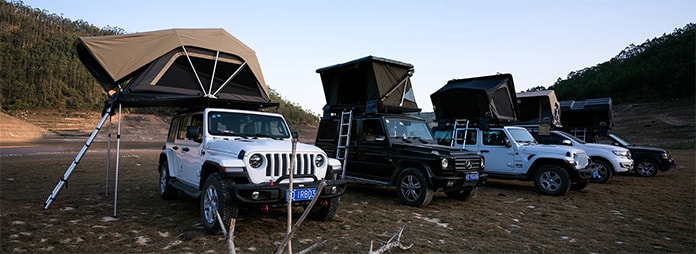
(537, 41)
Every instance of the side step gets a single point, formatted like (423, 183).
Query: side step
(188, 190)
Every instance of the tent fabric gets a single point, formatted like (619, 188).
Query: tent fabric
(539, 107)
(590, 113)
(475, 98)
(380, 82)
(168, 67)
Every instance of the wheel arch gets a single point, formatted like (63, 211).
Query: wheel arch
(207, 169)
(537, 164)
(420, 166)
(603, 160)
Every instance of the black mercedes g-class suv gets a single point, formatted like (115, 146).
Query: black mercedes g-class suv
(366, 125)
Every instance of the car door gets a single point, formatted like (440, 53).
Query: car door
(499, 157)
(370, 158)
(189, 150)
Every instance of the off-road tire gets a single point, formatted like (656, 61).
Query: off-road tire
(605, 171)
(646, 168)
(166, 191)
(325, 213)
(216, 196)
(413, 188)
(463, 193)
(552, 180)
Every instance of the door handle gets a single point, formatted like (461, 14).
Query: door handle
(484, 151)
(185, 149)
(175, 147)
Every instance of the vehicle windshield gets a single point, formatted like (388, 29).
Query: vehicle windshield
(407, 129)
(521, 135)
(569, 136)
(246, 125)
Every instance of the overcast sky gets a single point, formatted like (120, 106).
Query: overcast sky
(535, 41)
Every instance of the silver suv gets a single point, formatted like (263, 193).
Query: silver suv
(232, 158)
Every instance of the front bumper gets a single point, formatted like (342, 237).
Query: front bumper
(275, 193)
(667, 164)
(458, 182)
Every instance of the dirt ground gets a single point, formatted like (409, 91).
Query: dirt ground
(629, 214)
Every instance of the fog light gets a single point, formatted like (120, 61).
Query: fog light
(450, 183)
(255, 195)
(334, 189)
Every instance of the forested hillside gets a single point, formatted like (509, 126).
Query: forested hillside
(657, 70)
(39, 68)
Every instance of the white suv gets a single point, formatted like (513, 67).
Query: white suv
(609, 159)
(230, 158)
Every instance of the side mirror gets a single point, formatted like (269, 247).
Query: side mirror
(507, 143)
(566, 142)
(294, 134)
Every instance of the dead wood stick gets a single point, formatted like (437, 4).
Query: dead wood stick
(394, 241)
(301, 219)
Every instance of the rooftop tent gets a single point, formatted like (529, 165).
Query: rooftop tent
(175, 68)
(475, 98)
(590, 113)
(539, 107)
(378, 84)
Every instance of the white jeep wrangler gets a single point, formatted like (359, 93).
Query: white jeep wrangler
(513, 153)
(231, 158)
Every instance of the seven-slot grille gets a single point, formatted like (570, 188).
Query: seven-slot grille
(279, 164)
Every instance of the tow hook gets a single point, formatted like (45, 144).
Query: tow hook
(324, 203)
(264, 208)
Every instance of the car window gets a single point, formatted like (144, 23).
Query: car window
(494, 137)
(182, 126)
(470, 137)
(171, 136)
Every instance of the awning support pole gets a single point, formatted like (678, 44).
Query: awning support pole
(230, 78)
(212, 77)
(118, 156)
(194, 72)
(108, 158)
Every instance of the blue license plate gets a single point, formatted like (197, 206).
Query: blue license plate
(301, 194)
(473, 176)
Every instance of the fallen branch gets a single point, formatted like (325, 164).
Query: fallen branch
(394, 241)
(285, 241)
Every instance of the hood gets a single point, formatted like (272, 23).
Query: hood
(236, 144)
(647, 148)
(604, 146)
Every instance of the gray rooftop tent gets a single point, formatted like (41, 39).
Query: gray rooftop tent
(539, 107)
(490, 97)
(180, 68)
(590, 113)
(371, 83)
(175, 68)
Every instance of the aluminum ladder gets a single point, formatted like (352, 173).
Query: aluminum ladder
(455, 128)
(344, 138)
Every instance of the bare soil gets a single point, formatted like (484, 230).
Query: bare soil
(628, 214)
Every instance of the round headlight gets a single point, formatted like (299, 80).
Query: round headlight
(256, 160)
(444, 163)
(319, 160)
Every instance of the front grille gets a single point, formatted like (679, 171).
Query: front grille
(467, 164)
(279, 164)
